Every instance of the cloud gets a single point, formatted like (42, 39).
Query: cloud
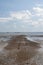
(35, 23)
(38, 11)
(37, 18)
(25, 16)
(38, 23)
(5, 19)
(21, 15)
(18, 15)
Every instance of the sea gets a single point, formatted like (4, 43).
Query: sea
(32, 35)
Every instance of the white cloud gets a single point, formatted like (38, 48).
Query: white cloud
(37, 19)
(18, 15)
(25, 14)
(5, 19)
(40, 20)
(38, 11)
(35, 23)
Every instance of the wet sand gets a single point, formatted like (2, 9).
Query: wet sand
(20, 51)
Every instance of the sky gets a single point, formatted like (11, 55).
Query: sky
(21, 15)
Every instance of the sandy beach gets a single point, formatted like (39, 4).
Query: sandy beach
(20, 50)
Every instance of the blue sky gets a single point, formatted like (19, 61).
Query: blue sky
(21, 15)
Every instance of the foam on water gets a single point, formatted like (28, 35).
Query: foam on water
(30, 39)
(40, 50)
